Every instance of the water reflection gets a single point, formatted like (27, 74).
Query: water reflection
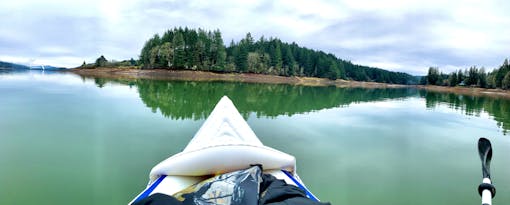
(498, 108)
(111, 140)
(193, 100)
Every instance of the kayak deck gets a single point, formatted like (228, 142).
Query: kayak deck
(224, 143)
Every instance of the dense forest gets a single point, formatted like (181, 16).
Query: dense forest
(476, 77)
(205, 50)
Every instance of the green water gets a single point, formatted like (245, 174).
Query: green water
(69, 140)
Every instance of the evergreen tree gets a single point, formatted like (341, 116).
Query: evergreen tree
(308, 63)
(101, 62)
(341, 72)
(248, 41)
(179, 53)
(277, 62)
(460, 76)
(472, 77)
(433, 76)
(491, 81)
(501, 73)
(452, 79)
(199, 54)
(146, 50)
(206, 59)
(166, 54)
(332, 74)
(288, 62)
(505, 84)
(242, 58)
(221, 53)
(192, 52)
(482, 78)
(154, 58)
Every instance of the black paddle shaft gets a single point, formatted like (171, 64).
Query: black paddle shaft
(485, 151)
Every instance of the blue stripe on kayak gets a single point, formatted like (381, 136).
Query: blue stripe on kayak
(153, 186)
(308, 193)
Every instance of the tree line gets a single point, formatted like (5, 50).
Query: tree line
(203, 50)
(103, 62)
(473, 76)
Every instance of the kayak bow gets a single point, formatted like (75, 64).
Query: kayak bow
(223, 144)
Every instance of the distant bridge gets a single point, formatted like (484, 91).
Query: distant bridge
(37, 67)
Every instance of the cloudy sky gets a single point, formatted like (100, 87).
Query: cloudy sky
(398, 35)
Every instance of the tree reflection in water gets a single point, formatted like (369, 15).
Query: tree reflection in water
(194, 100)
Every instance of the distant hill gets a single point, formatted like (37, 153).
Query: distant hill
(12, 66)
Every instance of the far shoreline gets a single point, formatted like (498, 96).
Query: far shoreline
(191, 75)
(469, 91)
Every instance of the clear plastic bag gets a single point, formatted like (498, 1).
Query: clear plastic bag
(234, 188)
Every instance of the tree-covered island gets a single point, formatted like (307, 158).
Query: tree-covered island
(201, 50)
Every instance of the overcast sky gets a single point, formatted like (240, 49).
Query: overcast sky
(398, 35)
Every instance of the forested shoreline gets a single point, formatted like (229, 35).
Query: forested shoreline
(472, 77)
(201, 50)
(190, 49)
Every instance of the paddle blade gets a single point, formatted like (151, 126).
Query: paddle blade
(485, 151)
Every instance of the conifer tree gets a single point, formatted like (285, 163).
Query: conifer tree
(179, 53)
(505, 84)
(221, 53)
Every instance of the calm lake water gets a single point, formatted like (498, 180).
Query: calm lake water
(69, 140)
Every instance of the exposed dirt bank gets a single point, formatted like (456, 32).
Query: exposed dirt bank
(164, 74)
(471, 91)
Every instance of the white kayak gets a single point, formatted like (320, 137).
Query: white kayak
(223, 144)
